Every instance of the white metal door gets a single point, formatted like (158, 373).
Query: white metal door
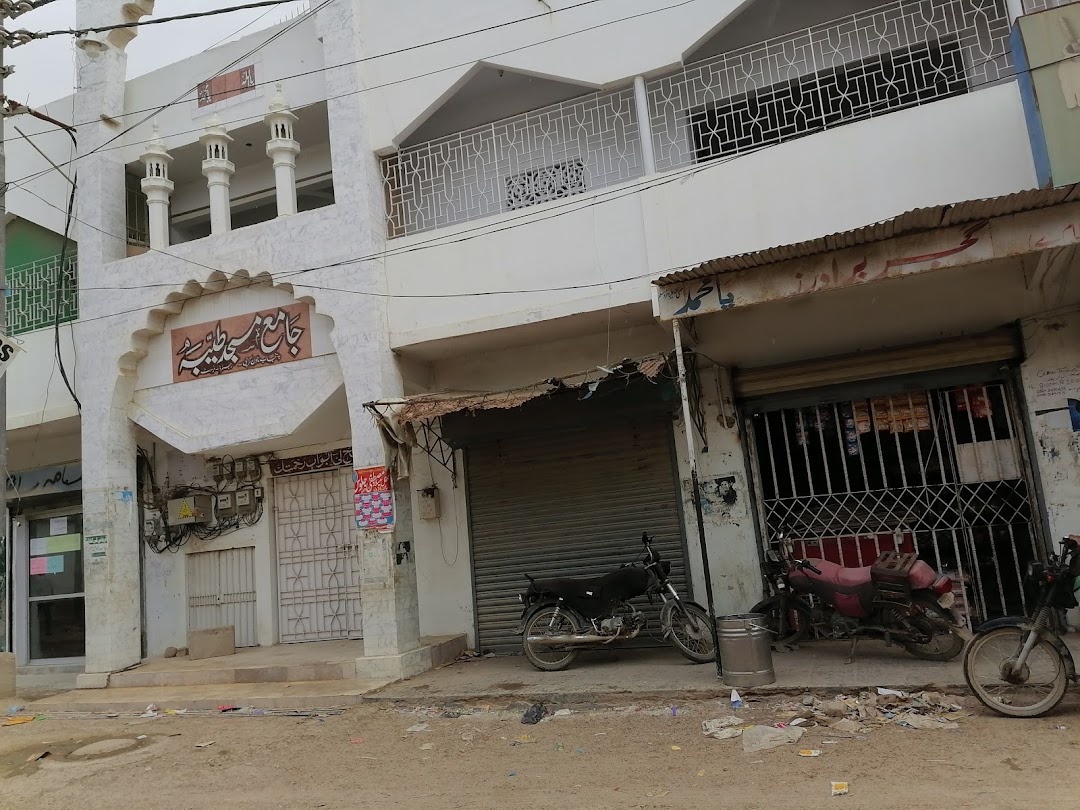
(221, 591)
(318, 561)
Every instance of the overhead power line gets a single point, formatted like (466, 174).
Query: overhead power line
(484, 229)
(23, 36)
(23, 180)
(386, 54)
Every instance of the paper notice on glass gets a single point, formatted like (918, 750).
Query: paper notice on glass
(54, 564)
(38, 565)
(58, 525)
(40, 546)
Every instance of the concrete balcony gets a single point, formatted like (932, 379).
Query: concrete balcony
(864, 65)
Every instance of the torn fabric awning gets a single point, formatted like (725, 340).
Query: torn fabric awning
(400, 418)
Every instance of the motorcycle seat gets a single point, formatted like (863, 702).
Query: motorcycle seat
(921, 575)
(839, 575)
(624, 583)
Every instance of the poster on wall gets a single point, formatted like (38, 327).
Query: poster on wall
(240, 343)
(374, 498)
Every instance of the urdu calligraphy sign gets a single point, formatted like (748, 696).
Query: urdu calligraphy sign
(314, 462)
(267, 338)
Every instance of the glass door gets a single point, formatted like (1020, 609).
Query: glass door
(56, 600)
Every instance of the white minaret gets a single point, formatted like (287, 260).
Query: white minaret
(157, 187)
(283, 149)
(218, 171)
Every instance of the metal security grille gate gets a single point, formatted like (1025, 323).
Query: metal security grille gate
(568, 504)
(221, 592)
(941, 472)
(318, 559)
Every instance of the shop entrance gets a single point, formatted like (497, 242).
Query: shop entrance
(50, 625)
(941, 471)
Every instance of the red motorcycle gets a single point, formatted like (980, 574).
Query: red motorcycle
(899, 598)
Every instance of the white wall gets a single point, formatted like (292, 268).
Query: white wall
(443, 561)
(49, 206)
(1051, 376)
(165, 574)
(298, 51)
(36, 391)
(964, 148)
(554, 45)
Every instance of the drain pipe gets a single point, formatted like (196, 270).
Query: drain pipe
(695, 485)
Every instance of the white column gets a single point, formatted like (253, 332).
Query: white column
(157, 187)
(644, 123)
(283, 149)
(218, 171)
(1015, 8)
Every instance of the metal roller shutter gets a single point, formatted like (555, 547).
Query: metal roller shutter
(572, 503)
(989, 347)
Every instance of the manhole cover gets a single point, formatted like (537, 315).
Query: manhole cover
(104, 747)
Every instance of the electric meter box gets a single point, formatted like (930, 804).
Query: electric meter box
(192, 509)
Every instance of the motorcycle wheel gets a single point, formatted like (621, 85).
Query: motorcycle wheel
(1037, 689)
(789, 623)
(946, 643)
(546, 623)
(690, 632)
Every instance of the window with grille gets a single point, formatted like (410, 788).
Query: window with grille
(855, 90)
(546, 183)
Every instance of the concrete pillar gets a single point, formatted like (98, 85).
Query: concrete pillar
(644, 122)
(157, 187)
(7, 675)
(1015, 8)
(283, 149)
(218, 170)
(388, 588)
(113, 618)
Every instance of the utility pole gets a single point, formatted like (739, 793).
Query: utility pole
(5, 71)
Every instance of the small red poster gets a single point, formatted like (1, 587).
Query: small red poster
(374, 498)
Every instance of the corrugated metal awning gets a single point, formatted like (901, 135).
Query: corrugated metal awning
(916, 221)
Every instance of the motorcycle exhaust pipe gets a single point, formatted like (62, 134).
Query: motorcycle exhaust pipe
(568, 640)
(582, 639)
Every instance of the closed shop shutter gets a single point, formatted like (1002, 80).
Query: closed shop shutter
(572, 503)
(221, 591)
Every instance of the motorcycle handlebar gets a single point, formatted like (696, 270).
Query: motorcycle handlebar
(809, 566)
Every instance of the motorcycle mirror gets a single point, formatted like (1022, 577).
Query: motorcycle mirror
(645, 540)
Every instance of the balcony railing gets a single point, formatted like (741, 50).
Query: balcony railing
(561, 150)
(897, 55)
(1031, 6)
(875, 62)
(34, 291)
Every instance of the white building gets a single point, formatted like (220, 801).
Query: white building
(431, 208)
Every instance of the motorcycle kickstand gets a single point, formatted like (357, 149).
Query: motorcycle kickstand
(851, 653)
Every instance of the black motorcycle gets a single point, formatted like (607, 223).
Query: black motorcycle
(1018, 665)
(564, 616)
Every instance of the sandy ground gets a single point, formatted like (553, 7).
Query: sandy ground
(611, 757)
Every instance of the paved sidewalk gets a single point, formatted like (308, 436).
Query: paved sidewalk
(662, 673)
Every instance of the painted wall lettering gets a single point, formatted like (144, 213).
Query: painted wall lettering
(267, 338)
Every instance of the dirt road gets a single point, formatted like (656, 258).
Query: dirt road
(618, 757)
